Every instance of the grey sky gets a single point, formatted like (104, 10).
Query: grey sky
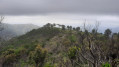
(31, 7)
(67, 19)
(68, 12)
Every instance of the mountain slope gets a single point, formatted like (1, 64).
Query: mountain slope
(51, 46)
(49, 38)
(12, 30)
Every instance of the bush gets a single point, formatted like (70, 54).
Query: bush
(106, 65)
(9, 56)
(66, 42)
(37, 56)
(72, 38)
(72, 52)
(48, 65)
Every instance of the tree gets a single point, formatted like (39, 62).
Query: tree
(9, 57)
(68, 27)
(72, 54)
(1, 27)
(89, 50)
(93, 31)
(77, 28)
(74, 28)
(1, 19)
(54, 24)
(96, 49)
(48, 25)
(38, 56)
(97, 24)
(107, 32)
(93, 49)
(63, 27)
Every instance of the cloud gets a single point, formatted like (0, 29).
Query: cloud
(34, 7)
(72, 19)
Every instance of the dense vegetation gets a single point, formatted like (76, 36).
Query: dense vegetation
(55, 45)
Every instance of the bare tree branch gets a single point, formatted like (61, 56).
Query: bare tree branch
(1, 20)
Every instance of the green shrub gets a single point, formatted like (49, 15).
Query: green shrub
(37, 56)
(72, 38)
(48, 65)
(106, 65)
(72, 52)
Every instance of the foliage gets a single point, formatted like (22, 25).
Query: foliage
(66, 42)
(106, 65)
(72, 38)
(9, 56)
(72, 52)
(107, 32)
(12, 55)
(48, 65)
(38, 56)
(65, 47)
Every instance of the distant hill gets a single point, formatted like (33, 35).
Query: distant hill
(12, 30)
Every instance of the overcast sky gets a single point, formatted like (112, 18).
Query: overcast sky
(69, 12)
(24, 7)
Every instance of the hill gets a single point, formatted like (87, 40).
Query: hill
(13, 30)
(55, 45)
